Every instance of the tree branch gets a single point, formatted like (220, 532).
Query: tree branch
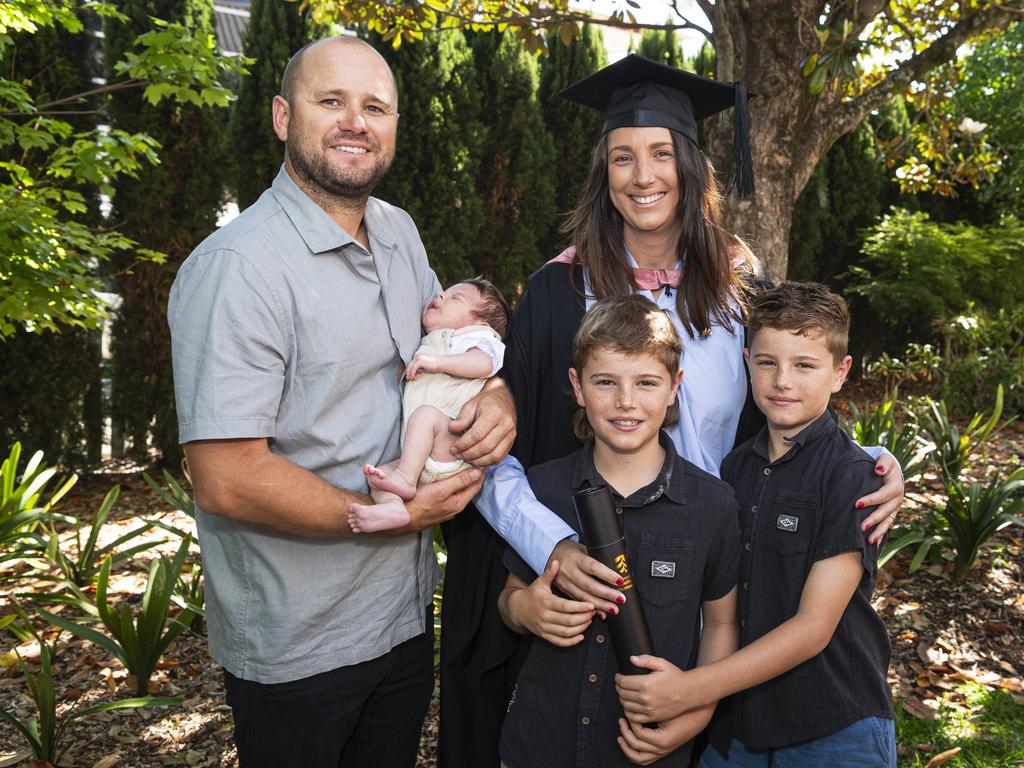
(860, 14)
(553, 19)
(94, 92)
(942, 50)
(705, 6)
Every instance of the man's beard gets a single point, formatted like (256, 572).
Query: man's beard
(315, 169)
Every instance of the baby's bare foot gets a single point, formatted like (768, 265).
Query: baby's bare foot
(367, 518)
(393, 483)
(373, 472)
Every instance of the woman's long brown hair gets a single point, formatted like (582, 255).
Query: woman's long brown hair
(710, 291)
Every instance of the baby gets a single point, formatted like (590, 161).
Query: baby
(462, 348)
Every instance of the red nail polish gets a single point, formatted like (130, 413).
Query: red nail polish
(620, 581)
(879, 469)
(614, 611)
(620, 600)
(860, 505)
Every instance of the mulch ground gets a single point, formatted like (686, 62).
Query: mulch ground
(943, 633)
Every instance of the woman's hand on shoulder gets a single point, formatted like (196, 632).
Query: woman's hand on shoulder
(888, 498)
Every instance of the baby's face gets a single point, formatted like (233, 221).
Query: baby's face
(452, 308)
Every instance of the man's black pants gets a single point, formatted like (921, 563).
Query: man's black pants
(367, 714)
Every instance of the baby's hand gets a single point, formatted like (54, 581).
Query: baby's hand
(427, 363)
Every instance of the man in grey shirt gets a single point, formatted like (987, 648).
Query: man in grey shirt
(291, 327)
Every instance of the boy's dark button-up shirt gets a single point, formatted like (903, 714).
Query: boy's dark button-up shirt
(796, 511)
(682, 540)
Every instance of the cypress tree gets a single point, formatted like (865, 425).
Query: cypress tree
(170, 207)
(703, 63)
(437, 157)
(661, 45)
(516, 178)
(50, 382)
(574, 127)
(276, 30)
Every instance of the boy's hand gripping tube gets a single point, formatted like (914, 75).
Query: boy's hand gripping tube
(603, 537)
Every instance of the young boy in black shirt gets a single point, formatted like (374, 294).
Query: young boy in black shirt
(682, 540)
(811, 676)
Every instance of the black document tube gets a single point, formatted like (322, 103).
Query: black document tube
(605, 543)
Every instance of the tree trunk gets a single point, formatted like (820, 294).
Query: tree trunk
(762, 50)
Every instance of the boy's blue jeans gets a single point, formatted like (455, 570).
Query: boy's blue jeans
(868, 743)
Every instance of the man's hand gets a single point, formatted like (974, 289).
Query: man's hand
(441, 501)
(544, 614)
(487, 425)
(425, 363)
(655, 697)
(644, 745)
(583, 578)
(889, 498)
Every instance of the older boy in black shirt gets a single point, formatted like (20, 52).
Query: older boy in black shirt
(811, 675)
(682, 539)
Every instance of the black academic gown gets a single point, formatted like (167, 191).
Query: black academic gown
(480, 656)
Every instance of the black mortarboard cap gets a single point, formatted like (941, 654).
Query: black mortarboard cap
(636, 91)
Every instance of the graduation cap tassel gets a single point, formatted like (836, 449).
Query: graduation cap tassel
(743, 167)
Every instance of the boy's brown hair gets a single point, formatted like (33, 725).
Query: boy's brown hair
(492, 308)
(802, 308)
(629, 325)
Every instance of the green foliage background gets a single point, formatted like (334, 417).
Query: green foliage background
(170, 207)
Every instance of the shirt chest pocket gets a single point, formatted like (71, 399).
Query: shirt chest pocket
(789, 528)
(661, 568)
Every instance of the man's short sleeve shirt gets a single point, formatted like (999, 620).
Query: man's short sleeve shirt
(284, 327)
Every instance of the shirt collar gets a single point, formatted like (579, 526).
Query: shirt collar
(670, 481)
(318, 230)
(824, 425)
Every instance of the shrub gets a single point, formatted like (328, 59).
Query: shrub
(21, 510)
(982, 351)
(137, 641)
(880, 426)
(45, 731)
(973, 511)
(81, 567)
(917, 272)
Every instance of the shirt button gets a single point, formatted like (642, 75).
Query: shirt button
(585, 720)
(592, 678)
(746, 585)
(743, 624)
(754, 509)
(600, 638)
(747, 546)
(618, 510)
(767, 471)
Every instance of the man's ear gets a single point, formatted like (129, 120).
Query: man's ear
(574, 379)
(281, 112)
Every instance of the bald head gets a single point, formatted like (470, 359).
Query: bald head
(293, 71)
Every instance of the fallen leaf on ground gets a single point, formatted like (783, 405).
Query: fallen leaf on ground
(16, 758)
(914, 706)
(943, 757)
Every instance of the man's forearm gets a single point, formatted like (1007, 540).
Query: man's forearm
(243, 480)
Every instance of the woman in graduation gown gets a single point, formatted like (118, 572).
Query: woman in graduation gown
(648, 221)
